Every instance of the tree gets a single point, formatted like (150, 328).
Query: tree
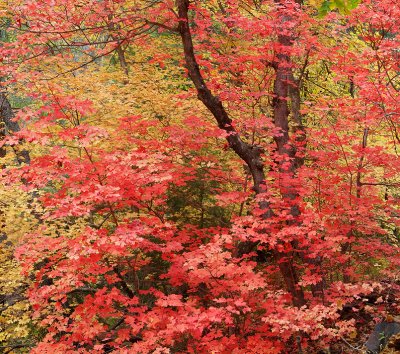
(307, 107)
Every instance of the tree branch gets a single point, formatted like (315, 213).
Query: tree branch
(250, 154)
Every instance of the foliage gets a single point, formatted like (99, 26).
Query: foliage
(204, 177)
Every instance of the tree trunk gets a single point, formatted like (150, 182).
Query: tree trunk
(250, 154)
(8, 125)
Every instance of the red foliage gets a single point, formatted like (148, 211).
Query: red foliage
(318, 227)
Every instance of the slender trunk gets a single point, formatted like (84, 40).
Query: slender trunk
(287, 161)
(8, 125)
(346, 247)
(2, 136)
(285, 88)
(119, 50)
(290, 159)
(122, 60)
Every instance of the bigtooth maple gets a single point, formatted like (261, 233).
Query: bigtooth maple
(251, 153)
(308, 108)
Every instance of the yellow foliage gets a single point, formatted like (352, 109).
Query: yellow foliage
(15, 319)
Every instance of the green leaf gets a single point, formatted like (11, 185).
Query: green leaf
(324, 9)
(342, 5)
(352, 4)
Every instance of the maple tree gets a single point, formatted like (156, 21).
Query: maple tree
(216, 176)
